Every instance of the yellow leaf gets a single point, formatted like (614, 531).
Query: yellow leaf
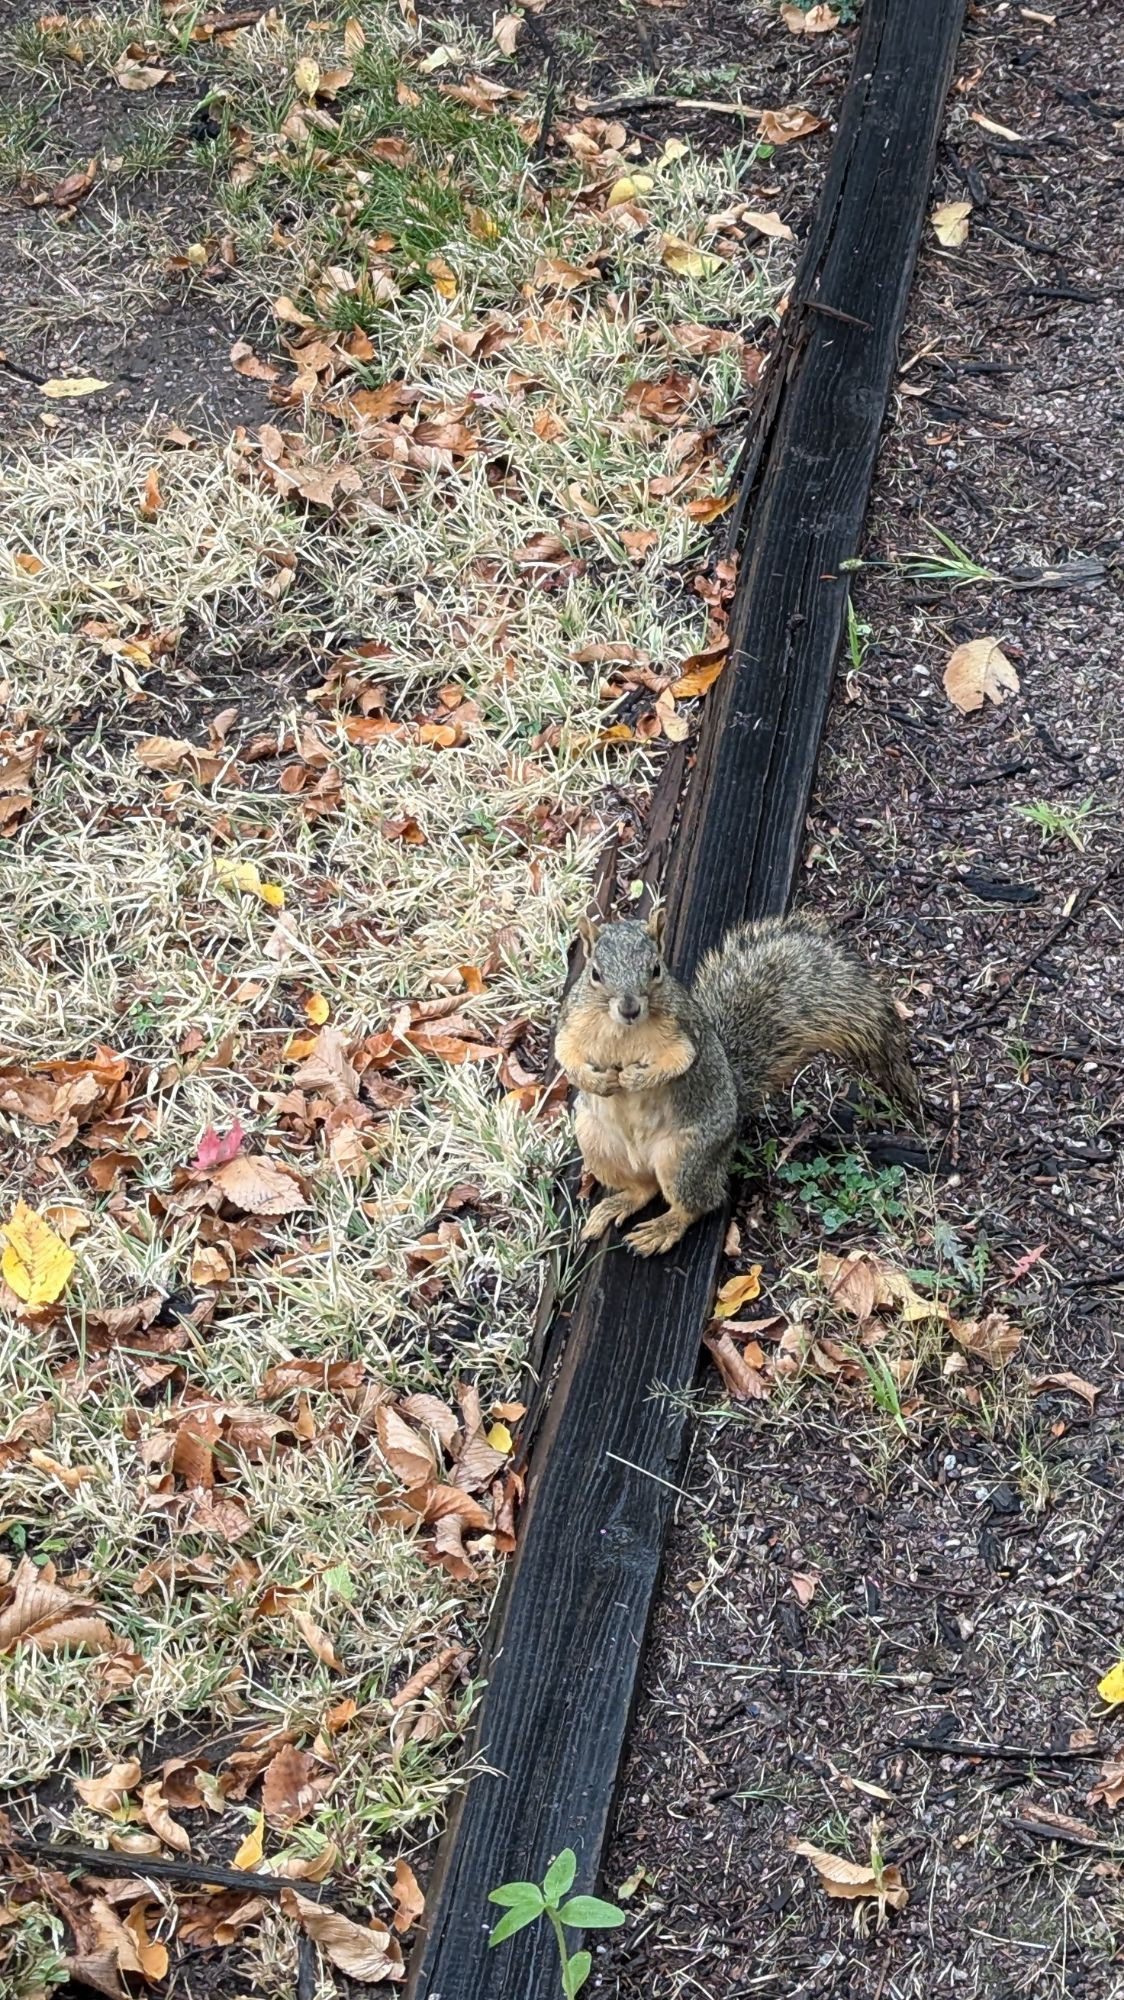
(737, 1291)
(253, 1847)
(273, 894)
(439, 58)
(627, 188)
(686, 260)
(247, 876)
(674, 150)
(950, 223)
(1111, 1688)
(306, 76)
(499, 1437)
(62, 386)
(36, 1263)
(317, 1009)
(444, 279)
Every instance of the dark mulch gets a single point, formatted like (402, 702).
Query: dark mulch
(971, 1572)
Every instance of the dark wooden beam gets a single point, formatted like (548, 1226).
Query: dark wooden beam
(609, 1460)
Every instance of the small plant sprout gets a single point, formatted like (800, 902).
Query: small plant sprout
(949, 564)
(884, 1386)
(525, 1901)
(1058, 823)
(859, 634)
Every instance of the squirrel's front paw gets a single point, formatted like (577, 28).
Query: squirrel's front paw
(598, 1082)
(636, 1075)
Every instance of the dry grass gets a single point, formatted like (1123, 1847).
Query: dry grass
(117, 925)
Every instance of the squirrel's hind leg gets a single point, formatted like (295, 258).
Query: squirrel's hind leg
(693, 1178)
(616, 1207)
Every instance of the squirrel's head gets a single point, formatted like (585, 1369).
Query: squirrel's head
(624, 966)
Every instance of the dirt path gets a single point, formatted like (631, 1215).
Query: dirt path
(936, 1552)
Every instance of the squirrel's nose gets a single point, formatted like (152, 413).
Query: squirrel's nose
(629, 1007)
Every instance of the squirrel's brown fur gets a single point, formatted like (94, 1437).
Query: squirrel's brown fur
(668, 1076)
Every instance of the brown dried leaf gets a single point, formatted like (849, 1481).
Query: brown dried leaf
(36, 1611)
(288, 1793)
(853, 1879)
(1109, 1788)
(993, 1339)
(979, 671)
(409, 1456)
(1075, 1384)
(364, 1953)
(779, 128)
(742, 1382)
(258, 1186)
(154, 1811)
(107, 1794)
(408, 1897)
(327, 1069)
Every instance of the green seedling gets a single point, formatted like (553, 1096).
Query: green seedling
(847, 1190)
(883, 1384)
(1053, 823)
(858, 636)
(954, 566)
(526, 1901)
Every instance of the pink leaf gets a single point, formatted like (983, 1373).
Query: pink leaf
(215, 1150)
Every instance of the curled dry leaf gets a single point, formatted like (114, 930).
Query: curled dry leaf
(107, 1794)
(366, 1953)
(779, 128)
(505, 32)
(742, 1381)
(992, 1339)
(251, 1850)
(1075, 1384)
(809, 20)
(316, 1639)
(1109, 1788)
(408, 1897)
(327, 1069)
(61, 388)
(409, 1456)
(979, 671)
(289, 1791)
(804, 1583)
(736, 1291)
(154, 1811)
(950, 223)
(853, 1879)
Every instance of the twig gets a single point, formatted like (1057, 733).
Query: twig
(656, 100)
(833, 312)
(1095, 1281)
(1018, 1753)
(102, 1861)
(25, 374)
(1042, 1832)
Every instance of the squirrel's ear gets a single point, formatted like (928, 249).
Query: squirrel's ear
(656, 926)
(587, 931)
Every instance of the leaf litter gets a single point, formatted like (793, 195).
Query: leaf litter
(360, 955)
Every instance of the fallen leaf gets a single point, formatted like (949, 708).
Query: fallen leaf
(245, 362)
(258, 1187)
(354, 36)
(288, 1793)
(779, 128)
(36, 1263)
(75, 185)
(1075, 1384)
(130, 75)
(809, 21)
(1109, 1788)
(852, 1879)
(316, 1639)
(306, 76)
(686, 259)
(364, 1953)
(317, 1009)
(327, 1069)
(993, 1339)
(741, 1380)
(736, 1291)
(699, 672)
(154, 1811)
(950, 223)
(209, 1267)
(408, 1455)
(153, 498)
(556, 274)
(245, 875)
(1111, 1688)
(214, 1148)
(628, 188)
(768, 222)
(804, 1585)
(979, 670)
(505, 32)
(152, 1956)
(108, 1793)
(61, 387)
(407, 1896)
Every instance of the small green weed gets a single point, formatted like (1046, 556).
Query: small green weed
(859, 634)
(845, 1190)
(524, 1901)
(1056, 822)
(884, 1386)
(954, 566)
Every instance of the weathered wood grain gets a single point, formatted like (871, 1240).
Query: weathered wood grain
(609, 1459)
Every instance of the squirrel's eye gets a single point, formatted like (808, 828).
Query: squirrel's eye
(595, 976)
(657, 971)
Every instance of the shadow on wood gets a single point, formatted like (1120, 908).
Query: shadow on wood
(609, 1462)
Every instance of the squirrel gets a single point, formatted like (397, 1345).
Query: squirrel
(669, 1076)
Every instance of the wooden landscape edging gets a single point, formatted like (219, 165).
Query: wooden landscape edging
(607, 1466)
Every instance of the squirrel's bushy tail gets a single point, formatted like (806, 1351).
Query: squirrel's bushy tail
(781, 991)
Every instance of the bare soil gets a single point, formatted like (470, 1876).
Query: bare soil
(971, 1570)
